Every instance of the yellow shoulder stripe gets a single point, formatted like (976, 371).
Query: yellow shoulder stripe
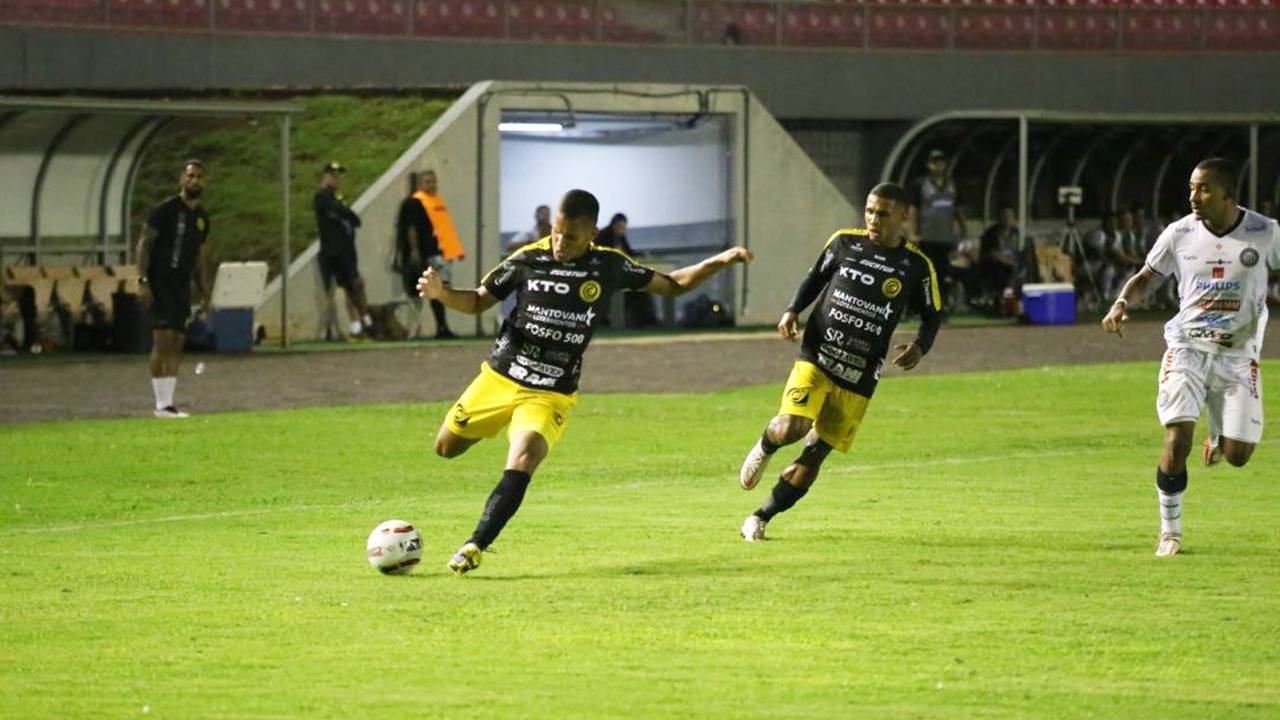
(613, 250)
(933, 275)
(543, 244)
(859, 232)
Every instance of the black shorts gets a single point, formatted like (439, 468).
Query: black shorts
(170, 302)
(339, 267)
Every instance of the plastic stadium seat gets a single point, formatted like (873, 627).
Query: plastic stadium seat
(265, 15)
(100, 291)
(1252, 29)
(823, 25)
(71, 12)
(756, 22)
(458, 18)
(170, 14)
(122, 271)
(551, 20)
(92, 271)
(1161, 29)
(33, 278)
(994, 28)
(907, 27)
(1078, 29)
(362, 17)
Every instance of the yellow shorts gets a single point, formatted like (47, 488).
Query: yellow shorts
(836, 413)
(491, 401)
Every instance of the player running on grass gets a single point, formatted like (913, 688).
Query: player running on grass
(530, 378)
(1220, 255)
(864, 281)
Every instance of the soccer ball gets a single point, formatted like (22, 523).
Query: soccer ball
(394, 548)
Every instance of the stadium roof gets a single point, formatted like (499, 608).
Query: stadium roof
(70, 164)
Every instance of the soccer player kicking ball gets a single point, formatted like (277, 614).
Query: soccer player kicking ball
(864, 281)
(530, 378)
(1220, 254)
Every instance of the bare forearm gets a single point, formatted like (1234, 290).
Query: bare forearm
(467, 301)
(688, 278)
(1136, 286)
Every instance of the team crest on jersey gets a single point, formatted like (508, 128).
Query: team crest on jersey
(891, 288)
(1248, 257)
(798, 396)
(460, 416)
(590, 291)
(200, 224)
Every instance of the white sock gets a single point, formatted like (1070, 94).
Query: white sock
(368, 321)
(157, 387)
(1170, 512)
(171, 385)
(1215, 427)
(354, 327)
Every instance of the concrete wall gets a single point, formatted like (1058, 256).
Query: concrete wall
(854, 84)
(781, 204)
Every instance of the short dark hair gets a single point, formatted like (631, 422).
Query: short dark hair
(580, 204)
(1221, 172)
(890, 191)
(616, 217)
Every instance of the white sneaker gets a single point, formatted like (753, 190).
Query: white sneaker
(170, 413)
(753, 528)
(1211, 454)
(753, 467)
(1170, 544)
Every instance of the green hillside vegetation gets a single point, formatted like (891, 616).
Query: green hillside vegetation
(365, 133)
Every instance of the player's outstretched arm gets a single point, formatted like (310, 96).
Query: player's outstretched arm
(687, 278)
(1118, 315)
(472, 302)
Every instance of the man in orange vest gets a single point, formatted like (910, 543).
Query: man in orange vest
(444, 247)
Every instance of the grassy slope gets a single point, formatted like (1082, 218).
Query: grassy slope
(984, 552)
(365, 133)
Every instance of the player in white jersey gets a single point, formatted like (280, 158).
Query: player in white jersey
(1220, 254)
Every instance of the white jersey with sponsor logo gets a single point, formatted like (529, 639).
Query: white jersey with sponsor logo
(1222, 282)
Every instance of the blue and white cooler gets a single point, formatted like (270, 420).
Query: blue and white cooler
(1049, 303)
(237, 290)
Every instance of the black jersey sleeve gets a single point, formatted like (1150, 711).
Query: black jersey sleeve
(631, 274)
(926, 301)
(813, 283)
(160, 215)
(502, 280)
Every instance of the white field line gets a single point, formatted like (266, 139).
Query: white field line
(839, 469)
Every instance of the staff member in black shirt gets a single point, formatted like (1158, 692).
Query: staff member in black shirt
(170, 256)
(415, 245)
(337, 225)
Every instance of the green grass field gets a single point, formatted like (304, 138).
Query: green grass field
(984, 552)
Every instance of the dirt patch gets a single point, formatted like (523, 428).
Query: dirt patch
(120, 387)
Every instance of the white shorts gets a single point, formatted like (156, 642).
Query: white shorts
(1232, 387)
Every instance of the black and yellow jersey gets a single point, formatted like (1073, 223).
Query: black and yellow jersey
(180, 232)
(864, 290)
(541, 341)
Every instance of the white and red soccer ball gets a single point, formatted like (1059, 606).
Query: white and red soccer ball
(394, 548)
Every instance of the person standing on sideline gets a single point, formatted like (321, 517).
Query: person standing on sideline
(936, 220)
(448, 245)
(171, 255)
(1220, 255)
(415, 246)
(339, 264)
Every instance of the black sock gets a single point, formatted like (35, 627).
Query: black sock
(768, 445)
(437, 309)
(502, 504)
(784, 495)
(1171, 484)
